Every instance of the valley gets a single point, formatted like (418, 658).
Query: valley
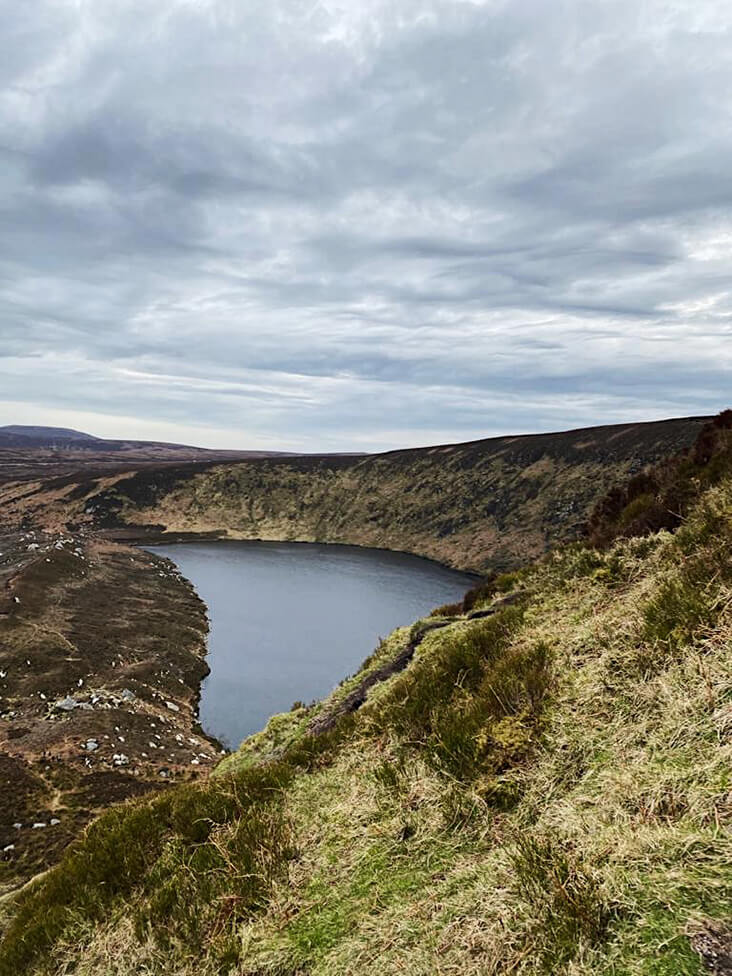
(531, 778)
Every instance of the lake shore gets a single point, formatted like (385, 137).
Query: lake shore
(103, 653)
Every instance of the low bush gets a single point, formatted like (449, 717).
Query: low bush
(159, 842)
(565, 898)
(199, 895)
(447, 610)
(493, 728)
(458, 662)
(660, 497)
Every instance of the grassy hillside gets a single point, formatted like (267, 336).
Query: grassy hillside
(538, 783)
(492, 503)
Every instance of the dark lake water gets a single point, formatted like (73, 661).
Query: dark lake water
(290, 620)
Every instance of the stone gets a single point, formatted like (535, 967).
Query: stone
(67, 704)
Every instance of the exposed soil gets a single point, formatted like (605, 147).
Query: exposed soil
(101, 657)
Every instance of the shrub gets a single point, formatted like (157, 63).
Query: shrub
(136, 846)
(660, 497)
(416, 695)
(565, 898)
(201, 894)
(479, 594)
(493, 729)
(689, 600)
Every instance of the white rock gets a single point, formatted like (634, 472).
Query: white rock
(9, 847)
(36, 826)
(54, 821)
(172, 706)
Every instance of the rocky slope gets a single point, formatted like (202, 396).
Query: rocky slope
(101, 657)
(486, 504)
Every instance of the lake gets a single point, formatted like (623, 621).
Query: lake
(289, 621)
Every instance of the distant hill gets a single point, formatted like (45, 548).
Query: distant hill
(20, 435)
(46, 433)
(33, 451)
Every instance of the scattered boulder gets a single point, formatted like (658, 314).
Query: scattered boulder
(67, 704)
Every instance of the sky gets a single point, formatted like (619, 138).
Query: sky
(359, 224)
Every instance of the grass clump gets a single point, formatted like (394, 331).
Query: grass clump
(163, 847)
(564, 896)
(493, 728)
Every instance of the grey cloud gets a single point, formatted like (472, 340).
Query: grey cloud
(369, 225)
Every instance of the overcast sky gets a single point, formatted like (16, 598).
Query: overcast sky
(357, 224)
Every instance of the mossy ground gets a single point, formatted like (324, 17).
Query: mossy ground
(543, 790)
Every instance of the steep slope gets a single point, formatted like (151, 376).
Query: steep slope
(486, 504)
(536, 781)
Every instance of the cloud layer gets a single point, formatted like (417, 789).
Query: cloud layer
(353, 224)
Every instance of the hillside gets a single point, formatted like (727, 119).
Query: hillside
(28, 453)
(486, 504)
(102, 652)
(533, 781)
(22, 434)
